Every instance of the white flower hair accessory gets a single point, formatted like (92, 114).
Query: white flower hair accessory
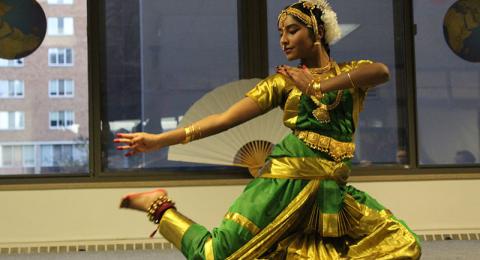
(329, 19)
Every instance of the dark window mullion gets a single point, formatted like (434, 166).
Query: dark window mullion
(252, 38)
(405, 77)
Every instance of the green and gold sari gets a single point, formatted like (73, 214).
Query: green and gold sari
(300, 207)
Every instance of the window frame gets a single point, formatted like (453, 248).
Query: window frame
(57, 54)
(17, 63)
(253, 52)
(64, 119)
(57, 95)
(15, 87)
(14, 114)
(59, 30)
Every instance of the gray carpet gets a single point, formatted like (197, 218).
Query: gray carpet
(432, 250)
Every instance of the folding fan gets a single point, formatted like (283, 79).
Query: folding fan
(246, 145)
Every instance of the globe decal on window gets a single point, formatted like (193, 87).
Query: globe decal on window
(23, 26)
(461, 28)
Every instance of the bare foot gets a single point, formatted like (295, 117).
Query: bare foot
(142, 200)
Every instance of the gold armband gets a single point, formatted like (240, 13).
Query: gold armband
(191, 133)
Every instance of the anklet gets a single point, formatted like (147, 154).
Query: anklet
(158, 207)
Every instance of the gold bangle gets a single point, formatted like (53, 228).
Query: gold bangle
(317, 88)
(188, 135)
(191, 133)
(351, 81)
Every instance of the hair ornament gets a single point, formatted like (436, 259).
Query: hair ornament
(329, 19)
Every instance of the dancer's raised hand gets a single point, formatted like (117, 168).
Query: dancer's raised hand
(300, 76)
(139, 142)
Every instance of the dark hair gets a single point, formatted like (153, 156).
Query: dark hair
(321, 26)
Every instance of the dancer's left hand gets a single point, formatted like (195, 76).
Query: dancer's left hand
(300, 76)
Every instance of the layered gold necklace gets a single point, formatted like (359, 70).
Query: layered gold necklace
(321, 113)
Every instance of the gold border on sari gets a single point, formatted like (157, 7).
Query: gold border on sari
(305, 168)
(208, 249)
(290, 115)
(386, 237)
(243, 221)
(279, 226)
(173, 226)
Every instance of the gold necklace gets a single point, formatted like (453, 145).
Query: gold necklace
(321, 112)
(321, 70)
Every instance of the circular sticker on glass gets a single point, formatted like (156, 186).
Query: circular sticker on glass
(23, 26)
(461, 28)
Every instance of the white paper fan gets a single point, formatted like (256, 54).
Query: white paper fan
(245, 145)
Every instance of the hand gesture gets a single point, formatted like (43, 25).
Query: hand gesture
(300, 76)
(137, 143)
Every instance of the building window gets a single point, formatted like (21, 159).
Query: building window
(61, 119)
(60, 26)
(12, 120)
(60, 57)
(11, 88)
(28, 156)
(60, 2)
(12, 63)
(17, 156)
(61, 88)
(62, 155)
(46, 156)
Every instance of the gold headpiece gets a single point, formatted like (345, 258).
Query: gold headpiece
(329, 18)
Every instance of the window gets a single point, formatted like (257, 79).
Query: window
(63, 155)
(12, 63)
(11, 88)
(155, 59)
(12, 120)
(60, 57)
(148, 87)
(46, 156)
(60, 26)
(38, 113)
(61, 119)
(17, 156)
(448, 83)
(60, 2)
(28, 156)
(61, 88)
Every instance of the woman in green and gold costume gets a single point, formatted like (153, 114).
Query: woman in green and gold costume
(300, 206)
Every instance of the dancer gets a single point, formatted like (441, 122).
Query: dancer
(300, 206)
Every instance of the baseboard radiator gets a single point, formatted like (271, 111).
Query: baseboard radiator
(151, 244)
(85, 246)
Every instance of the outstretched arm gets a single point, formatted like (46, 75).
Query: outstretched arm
(238, 113)
(363, 77)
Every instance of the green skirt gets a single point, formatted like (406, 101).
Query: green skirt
(297, 219)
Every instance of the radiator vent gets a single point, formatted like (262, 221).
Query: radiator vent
(151, 244)
(438, 237)
(85, 246)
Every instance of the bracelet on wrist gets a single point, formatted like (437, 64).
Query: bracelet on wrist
(351, 81)
(317, 88)
(191, 133)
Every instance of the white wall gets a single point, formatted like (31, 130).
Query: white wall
(93, 214)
